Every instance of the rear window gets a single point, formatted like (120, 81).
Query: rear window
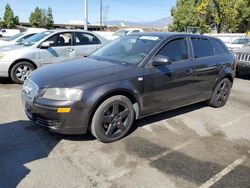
(218, 48)
(202, 47)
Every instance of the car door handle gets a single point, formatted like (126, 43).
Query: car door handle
(189, 71)
(70, 49)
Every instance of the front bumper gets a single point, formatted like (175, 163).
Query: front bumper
(43, 112)
(4, 68)
(243, 67)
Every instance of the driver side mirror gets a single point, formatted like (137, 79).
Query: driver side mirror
(161, 60)
(45, 45)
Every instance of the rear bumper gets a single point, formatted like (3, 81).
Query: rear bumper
(74, 122)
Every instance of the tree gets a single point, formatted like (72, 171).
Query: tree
(219, 13)
(243, 8)
(50, 19)
(185, 14)
(8, 19)
(36, 17)
(16, 20)
(1, 23)
(223, 15)
(42, 18)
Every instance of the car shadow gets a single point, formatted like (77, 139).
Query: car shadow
(244, 77)
(6, 81)
(22, 142)
(166, 115)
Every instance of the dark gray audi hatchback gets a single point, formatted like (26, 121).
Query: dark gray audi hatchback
(127, 79)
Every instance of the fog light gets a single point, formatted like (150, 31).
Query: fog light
(63, 110)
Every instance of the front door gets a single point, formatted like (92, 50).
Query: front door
(61, 49)
(168, 86)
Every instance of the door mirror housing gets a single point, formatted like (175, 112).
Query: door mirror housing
(161, 60)
(45, 45)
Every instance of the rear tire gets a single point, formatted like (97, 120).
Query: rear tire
(113, 119)
(221, 94)
(21, 71)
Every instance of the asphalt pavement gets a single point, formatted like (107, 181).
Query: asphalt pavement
(195, 146)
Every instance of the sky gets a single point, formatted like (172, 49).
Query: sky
(65, 11)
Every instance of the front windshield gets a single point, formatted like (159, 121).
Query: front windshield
(127, 50)
(36, 38)
(11, 38)
(240, 41)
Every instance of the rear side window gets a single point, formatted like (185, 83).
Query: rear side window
(218, 48)
(85, 39)
(202, 47)
(176, 49)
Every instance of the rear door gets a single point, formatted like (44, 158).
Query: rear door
(206, 66)
(61, 49)
(85, 44)
(168, 86)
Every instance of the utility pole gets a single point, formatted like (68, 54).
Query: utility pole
(86, 15)
(100, 15)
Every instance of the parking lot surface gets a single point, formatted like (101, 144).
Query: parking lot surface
(195, 146)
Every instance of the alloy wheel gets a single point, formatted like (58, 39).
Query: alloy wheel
(115, 119)
(22, 72)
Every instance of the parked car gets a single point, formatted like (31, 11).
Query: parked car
(53, 46)
(243, 60)
(238, 43)
(124, 32)
(18, 38)
(127, 79)
(8, 32)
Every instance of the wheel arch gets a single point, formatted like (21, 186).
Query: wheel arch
(226, 75)
(124, 92)
(21, 60)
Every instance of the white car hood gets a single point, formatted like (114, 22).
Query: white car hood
(7, 48)
(3, 42)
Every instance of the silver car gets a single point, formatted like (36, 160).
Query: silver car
(53, 46)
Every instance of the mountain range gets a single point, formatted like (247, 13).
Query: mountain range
(160, 23)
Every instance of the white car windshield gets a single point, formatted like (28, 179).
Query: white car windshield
(11, 38)
(36, 38)
(241, 41)
(127, 50)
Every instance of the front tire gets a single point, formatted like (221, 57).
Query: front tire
(113, 119)
(21, 71)
(221, 94)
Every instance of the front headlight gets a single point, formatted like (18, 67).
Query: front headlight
(1, 55)
(63, 94)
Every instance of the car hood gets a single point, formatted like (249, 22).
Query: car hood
(245, 49)
(11, 47)
(76, 73)
(3, 42)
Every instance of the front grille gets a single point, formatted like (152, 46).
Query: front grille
(51, 123)
(43, 122)
(243, 57)
(30, 90)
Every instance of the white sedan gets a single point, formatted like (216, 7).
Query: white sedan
(18, 38)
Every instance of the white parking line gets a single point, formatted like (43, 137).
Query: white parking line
(224, 172)
(119, 174)
(9, 95)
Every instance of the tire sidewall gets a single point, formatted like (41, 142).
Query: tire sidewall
(213, 101)
(13, 70)
(96, 129)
